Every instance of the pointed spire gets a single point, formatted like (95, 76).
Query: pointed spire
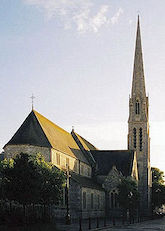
(138, 83)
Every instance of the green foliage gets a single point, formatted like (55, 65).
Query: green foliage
(158, 188)
(22, 183)
(30, 179)
(128, 196)
(157, 176)
(5, 167)
(51, 182)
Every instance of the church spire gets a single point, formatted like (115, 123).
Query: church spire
(138, 127)
(138, 83)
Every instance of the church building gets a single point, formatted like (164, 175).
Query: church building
(94, 174)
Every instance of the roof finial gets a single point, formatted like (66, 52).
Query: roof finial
(138, 12)
(32, 98)
(72, 128)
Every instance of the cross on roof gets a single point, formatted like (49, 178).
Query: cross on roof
(32, 98)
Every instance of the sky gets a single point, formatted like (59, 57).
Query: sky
(76, 57)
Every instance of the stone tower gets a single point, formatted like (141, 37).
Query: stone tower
(138, 127)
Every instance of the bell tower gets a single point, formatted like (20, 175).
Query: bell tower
(138, 127)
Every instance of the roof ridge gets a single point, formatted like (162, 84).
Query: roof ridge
(38, 114)
(84, 139)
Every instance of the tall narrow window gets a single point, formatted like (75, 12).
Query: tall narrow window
(75, 166)
(134, 137)
(84, 200)
(82, 169)
(137, 107)
(58, 158)
(140, 139)
(115, 200)
(91, 200)
(98, 201)
(88, 171)
(67, 162)
(112, 201)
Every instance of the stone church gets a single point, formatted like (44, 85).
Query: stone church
(94, 174)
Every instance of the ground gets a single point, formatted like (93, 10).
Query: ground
(35, 227)
(152, 225)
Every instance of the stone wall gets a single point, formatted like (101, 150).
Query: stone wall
(110, 181)
(98, 208)
(74, 203)
(76, 209)
(74, 164)
(12, 150)
(75, 199)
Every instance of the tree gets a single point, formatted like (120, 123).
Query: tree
(5, 166)
(158, 188)
(30, 179)
(52, 181)
(128, 195)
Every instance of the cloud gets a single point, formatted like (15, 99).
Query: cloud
(85, 22)
(115, 18)
(100, 18)
(82, 14)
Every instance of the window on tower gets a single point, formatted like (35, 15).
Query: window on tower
(134, 137)
(137, 107)
(140, 138)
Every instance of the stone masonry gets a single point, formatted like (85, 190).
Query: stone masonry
(138, 127)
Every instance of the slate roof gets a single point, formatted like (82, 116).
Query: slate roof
(38, 130)
(123, 160)
(86, 181)
(30, 132)
(86, 144)
(85, 147)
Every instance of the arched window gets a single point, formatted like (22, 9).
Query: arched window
(115, 200)
(91, 200)
(134, 137)
(140, 139)
(112, 201)
(84, 200)
(137, 107)
(98, 201)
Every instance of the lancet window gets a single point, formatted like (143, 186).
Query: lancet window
(84, 200)
(140, 139)
(91, 200)
(134, 137)
(137, 107)
(114, 199)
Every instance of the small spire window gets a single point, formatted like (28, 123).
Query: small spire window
(137, 107)
(140, 139)
(134, 137)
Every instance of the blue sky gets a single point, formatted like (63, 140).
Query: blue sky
(76, 56)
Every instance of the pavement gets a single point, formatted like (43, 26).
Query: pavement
(153, 225)
(75, 226)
